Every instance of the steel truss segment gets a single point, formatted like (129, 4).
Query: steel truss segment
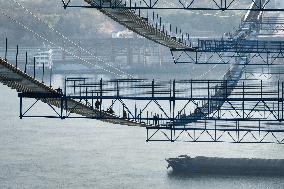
(255, 111)
(39, 97)
(239, 46)
(191, 57)
(236, 134)
(215, 55)
(213, 98)
(237, 96)
(222, 5)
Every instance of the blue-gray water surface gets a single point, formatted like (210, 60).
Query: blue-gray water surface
(80, 153)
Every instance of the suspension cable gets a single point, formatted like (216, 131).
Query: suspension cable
(69, 40)
(61, 48)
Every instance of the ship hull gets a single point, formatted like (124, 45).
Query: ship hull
(226, 166)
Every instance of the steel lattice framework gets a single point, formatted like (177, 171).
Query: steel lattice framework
(227, 51)
(234, 109)
(221, 5)
(191, 107)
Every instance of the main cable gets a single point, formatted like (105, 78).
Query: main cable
(69, 40)
(50, 42)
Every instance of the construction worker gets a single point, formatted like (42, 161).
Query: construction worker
(110, 110)
(98, 104)
(155, 118)
(59, 90)
(124, 114)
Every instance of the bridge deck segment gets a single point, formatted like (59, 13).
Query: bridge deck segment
(139, 25)
(16, 79)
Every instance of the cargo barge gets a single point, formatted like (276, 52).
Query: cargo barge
(234, 166)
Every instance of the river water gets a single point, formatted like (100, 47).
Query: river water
(80, 153)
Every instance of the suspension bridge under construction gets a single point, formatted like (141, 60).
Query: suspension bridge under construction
(236, 108)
